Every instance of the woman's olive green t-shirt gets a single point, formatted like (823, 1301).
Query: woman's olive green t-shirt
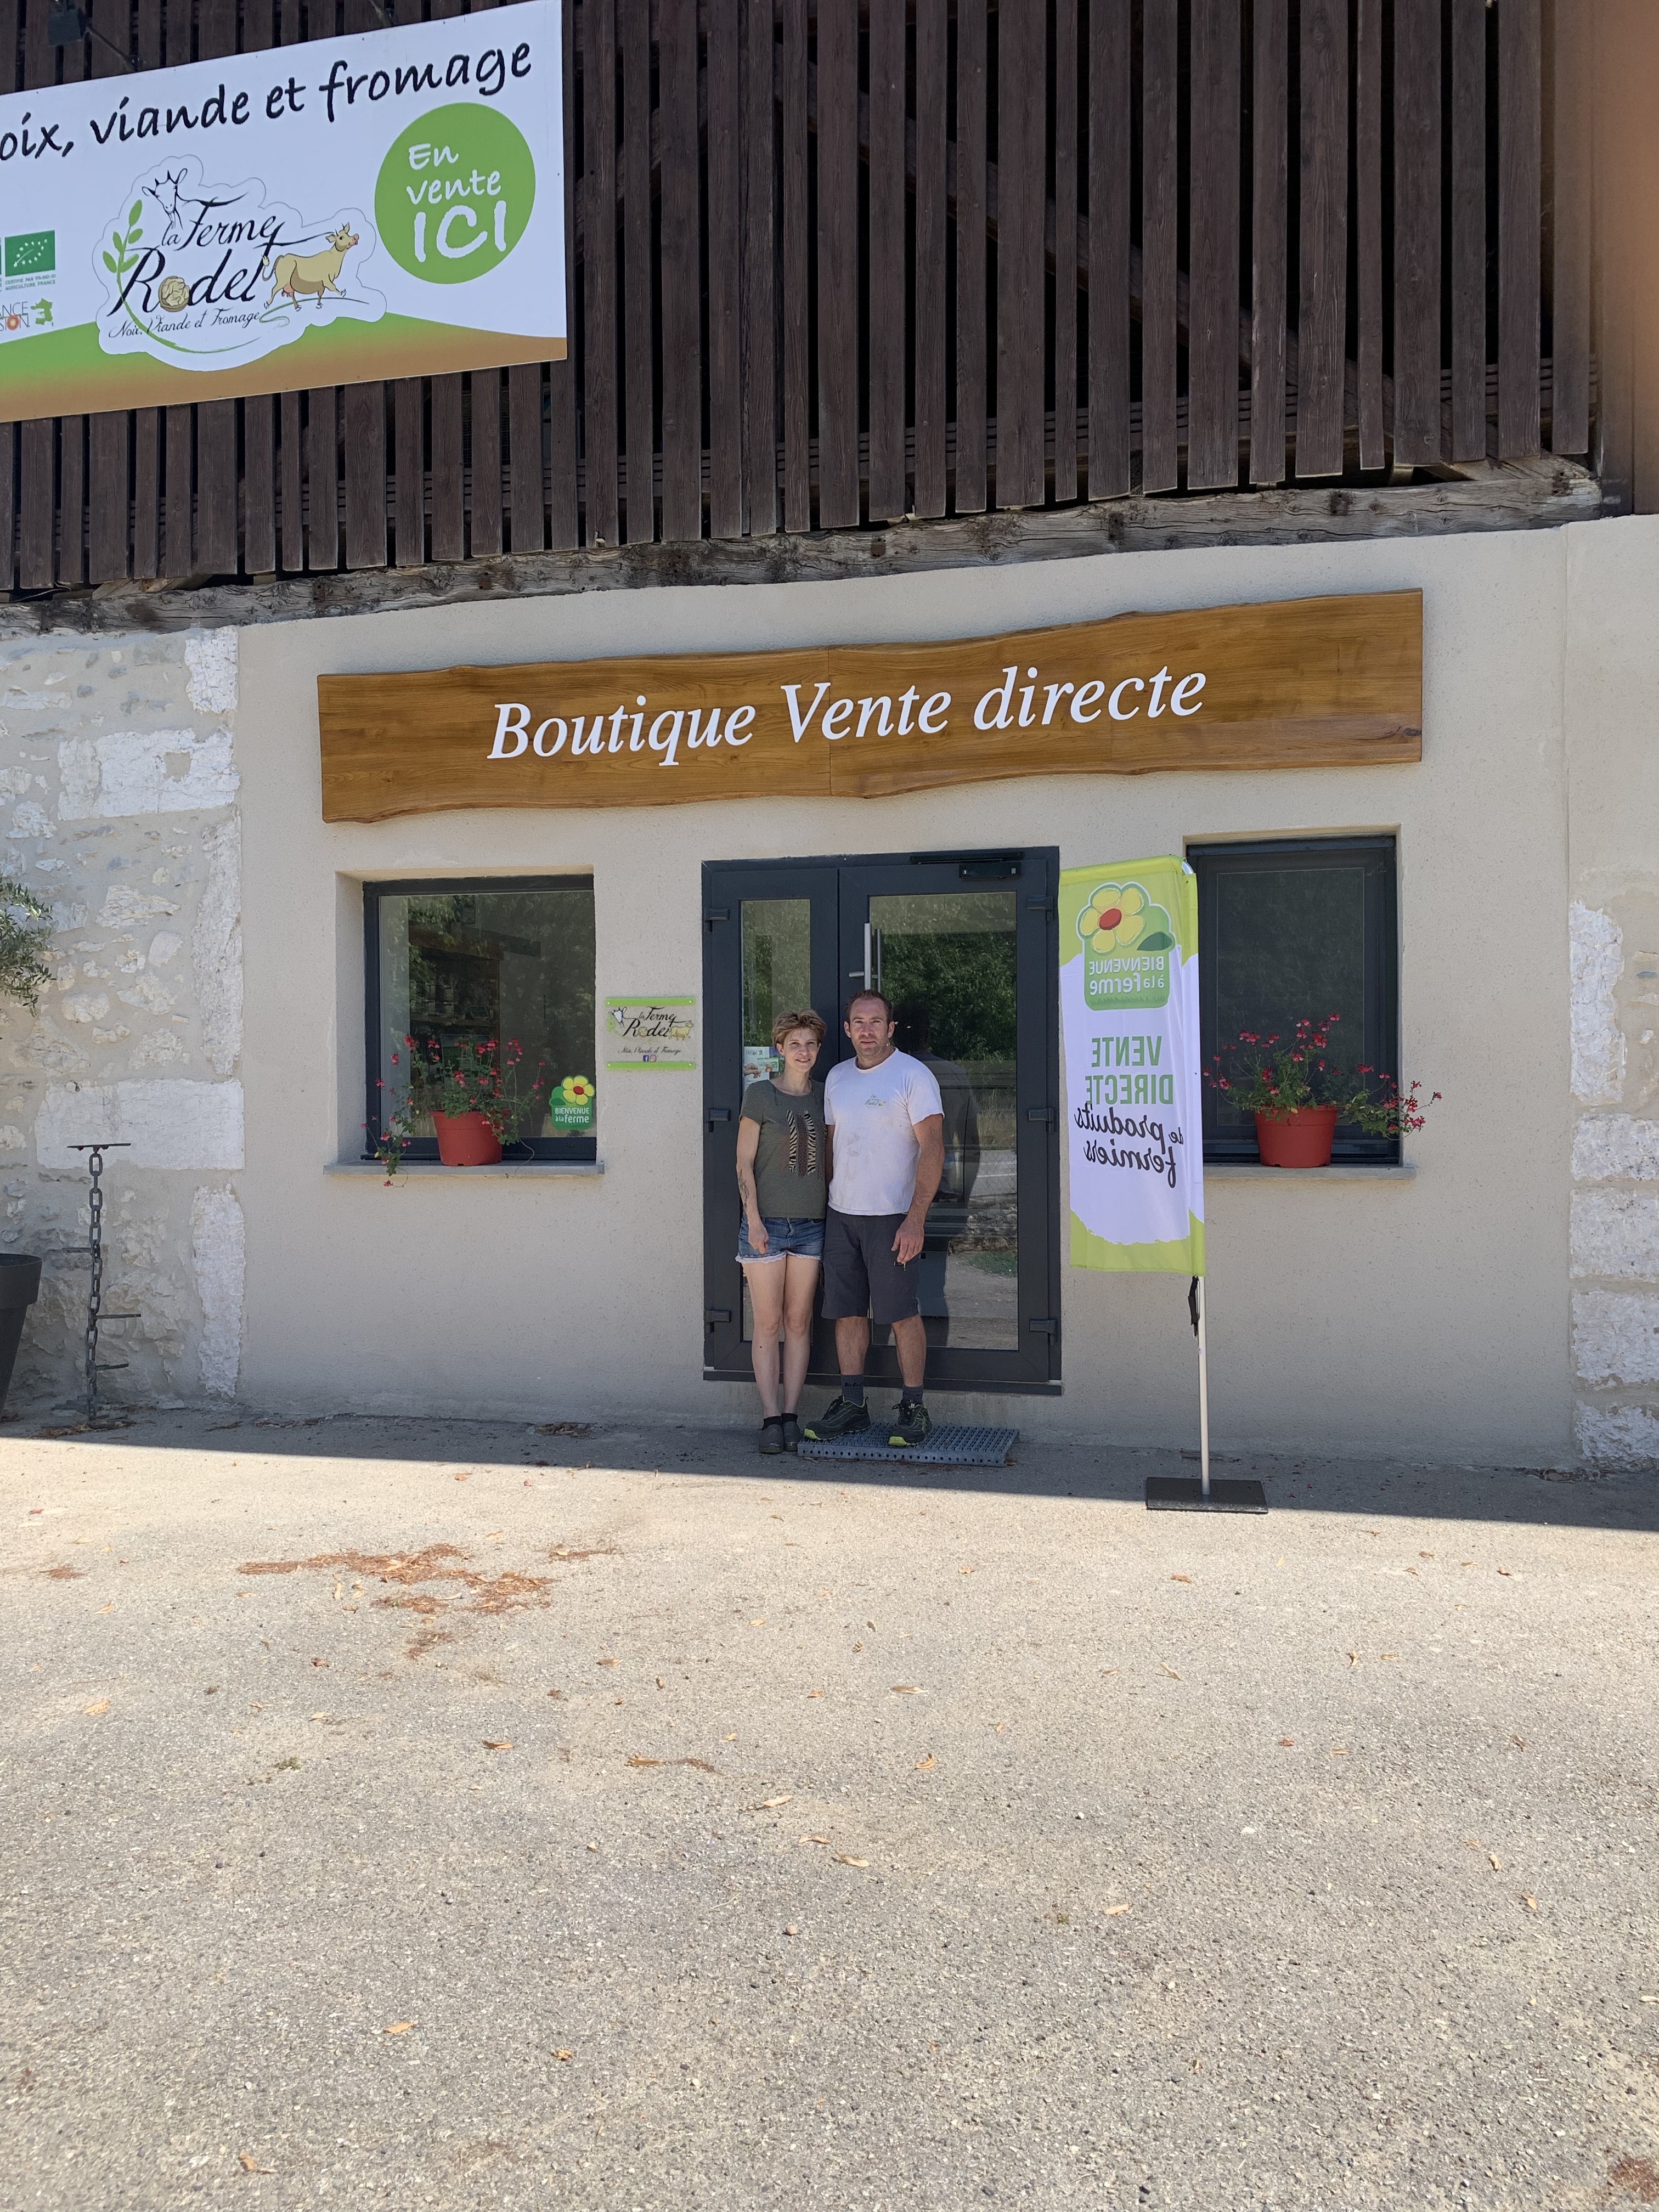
(789, 1157)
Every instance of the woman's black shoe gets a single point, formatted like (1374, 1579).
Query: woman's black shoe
(791, 1431)
(771, 1435)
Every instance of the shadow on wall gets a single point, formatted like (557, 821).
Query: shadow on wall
(1367, 1490)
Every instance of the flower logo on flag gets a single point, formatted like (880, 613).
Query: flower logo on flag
(1120, 918)
(576, 1089)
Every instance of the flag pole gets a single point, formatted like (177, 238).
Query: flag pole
(1203, 1387)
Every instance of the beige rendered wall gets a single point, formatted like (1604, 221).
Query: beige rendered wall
(1612, 770)
(1425, 1315)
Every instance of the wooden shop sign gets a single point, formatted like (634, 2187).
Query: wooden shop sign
(1298, 683)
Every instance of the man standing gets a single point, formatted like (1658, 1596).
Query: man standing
(884, 1123)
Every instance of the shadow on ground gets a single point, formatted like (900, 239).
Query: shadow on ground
(1524, 1496)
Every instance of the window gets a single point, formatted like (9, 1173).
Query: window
(1289, 928)
(506, 964)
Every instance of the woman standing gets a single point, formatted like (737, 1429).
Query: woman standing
(781, 1175)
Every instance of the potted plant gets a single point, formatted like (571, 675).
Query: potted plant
(470, 1090)
(1298, 1093)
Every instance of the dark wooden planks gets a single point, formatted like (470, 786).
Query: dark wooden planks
(364, 416)
(634, 20)
(484, 479)
(216, 548)
(932, 398)
(838, 263)
(1159, 295)
(71, 499)
(681, 344)
(1416, 232)
(1212, 356)
(108, 449)
(1570, 288)
(526, 401)
(1022, 71)
(600, 361)
(1468, 229)
(548, 504)
(260, 414)
(760, 232)
(886, 200)
(1066, 242)
(1268, 240)
(972, 245)
(1368, 227)
(725, 252)
(1109, 149)
(1322, 289)
(1519, 201)
(36, 500)
(291, 483)
(449, 403)
(408, 449)
(322, 450)
(448, 412)
(797, 366)
(178, 511)
(108, 437)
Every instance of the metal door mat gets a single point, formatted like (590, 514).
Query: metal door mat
(954, 1445)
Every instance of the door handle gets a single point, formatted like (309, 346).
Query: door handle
(866, 974)
(718, 1114)
(1043, 1113)
(1045, 1327)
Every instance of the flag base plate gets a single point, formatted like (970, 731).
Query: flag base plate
(1184, 1493)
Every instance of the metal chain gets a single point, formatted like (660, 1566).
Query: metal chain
(95, 1296)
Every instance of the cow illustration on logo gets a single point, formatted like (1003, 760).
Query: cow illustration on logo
(314, 273)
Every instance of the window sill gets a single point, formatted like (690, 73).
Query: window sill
(1338, 1171)
(419, 1171)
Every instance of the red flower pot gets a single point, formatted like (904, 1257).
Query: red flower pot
(1302, 1140)
(466, 1140)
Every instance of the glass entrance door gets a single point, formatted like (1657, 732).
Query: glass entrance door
(963, 945)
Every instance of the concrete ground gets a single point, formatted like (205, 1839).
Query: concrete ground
(413, 1816)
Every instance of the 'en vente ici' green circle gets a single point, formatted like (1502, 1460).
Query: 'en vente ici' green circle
(454, 193)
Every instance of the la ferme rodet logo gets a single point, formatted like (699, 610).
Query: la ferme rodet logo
(1126, 946)
(206, 274)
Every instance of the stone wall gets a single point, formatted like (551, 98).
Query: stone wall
(1615, 1174)
(1612, 729)
(119, 803)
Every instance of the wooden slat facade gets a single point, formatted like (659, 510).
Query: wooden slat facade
(834, 262)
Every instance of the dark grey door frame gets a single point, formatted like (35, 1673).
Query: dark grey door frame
(840, 886)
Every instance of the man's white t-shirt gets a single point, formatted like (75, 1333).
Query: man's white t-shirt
(874, 1112)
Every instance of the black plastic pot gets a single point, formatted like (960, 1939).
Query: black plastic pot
(20, 1286)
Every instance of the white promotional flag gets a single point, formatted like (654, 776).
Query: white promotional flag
(1128, 995)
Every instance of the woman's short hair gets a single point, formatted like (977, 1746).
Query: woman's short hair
(786, 1024)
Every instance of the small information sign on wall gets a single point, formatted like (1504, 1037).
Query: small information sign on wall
(651, 1032)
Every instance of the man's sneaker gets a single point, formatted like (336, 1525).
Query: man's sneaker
(910, 1425)
(838, 1418)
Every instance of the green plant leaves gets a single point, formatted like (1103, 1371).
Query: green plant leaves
(1157, 941)
(135, 212)
(110, 265)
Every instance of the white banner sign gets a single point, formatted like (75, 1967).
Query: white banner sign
(1128, 996)
(386, 206)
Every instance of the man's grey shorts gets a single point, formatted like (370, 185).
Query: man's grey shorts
(861, 1271)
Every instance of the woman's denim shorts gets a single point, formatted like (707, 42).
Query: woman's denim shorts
(801, 1239)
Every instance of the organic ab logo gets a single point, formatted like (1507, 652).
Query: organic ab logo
(1126, 943)
(454, 193)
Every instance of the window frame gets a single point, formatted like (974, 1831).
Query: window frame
(1380, 852)
(527, 1149)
